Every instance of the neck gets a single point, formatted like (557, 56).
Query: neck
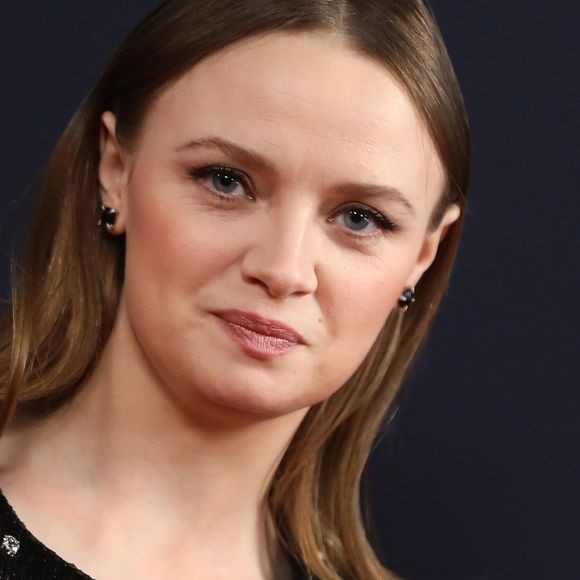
(123, 441)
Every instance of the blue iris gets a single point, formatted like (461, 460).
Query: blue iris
(356, 220)
(224, 182)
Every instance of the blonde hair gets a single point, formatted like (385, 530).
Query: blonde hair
(65, 299)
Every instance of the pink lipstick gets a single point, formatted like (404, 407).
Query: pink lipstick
(259, 337)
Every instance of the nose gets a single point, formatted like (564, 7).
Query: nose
(281, 257)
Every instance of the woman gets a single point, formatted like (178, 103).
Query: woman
(192, 387)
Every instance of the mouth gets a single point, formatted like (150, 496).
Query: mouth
(259, 337)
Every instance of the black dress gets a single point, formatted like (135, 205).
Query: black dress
(23, 557)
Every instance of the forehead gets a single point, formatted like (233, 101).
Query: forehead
(311, 103)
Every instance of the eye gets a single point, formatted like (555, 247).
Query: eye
(226, 182)
(363, 220)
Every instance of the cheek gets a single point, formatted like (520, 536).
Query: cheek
(364, 295)
(358, 305)
(170, 247)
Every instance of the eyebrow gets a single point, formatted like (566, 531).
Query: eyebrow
(258, 162)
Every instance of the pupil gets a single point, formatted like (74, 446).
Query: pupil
(224, 183)
(358, 220)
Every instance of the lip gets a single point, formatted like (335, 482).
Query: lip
(258, 336)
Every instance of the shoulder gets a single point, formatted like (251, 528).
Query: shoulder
(23, 557)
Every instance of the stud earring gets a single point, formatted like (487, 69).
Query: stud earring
(407, 298)
(108, 218)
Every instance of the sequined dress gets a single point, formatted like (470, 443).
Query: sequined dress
(23, 557)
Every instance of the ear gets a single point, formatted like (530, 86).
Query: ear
(431, 245)
(113, 170)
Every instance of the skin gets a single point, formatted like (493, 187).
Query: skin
(177, 423)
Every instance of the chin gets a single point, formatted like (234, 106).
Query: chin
(261, 404)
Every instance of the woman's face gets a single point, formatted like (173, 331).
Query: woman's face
(275, 206)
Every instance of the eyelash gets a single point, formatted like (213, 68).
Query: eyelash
(199, 173)
(383, 223)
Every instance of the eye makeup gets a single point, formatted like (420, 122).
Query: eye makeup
(224, 176)
(225, 180)
(364, 212)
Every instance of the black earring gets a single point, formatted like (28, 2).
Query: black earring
(108, 217)
(407, 298)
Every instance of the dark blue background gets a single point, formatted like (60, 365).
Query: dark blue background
(477, 477)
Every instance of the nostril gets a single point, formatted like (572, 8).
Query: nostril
(280, 284)
(282, 278)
